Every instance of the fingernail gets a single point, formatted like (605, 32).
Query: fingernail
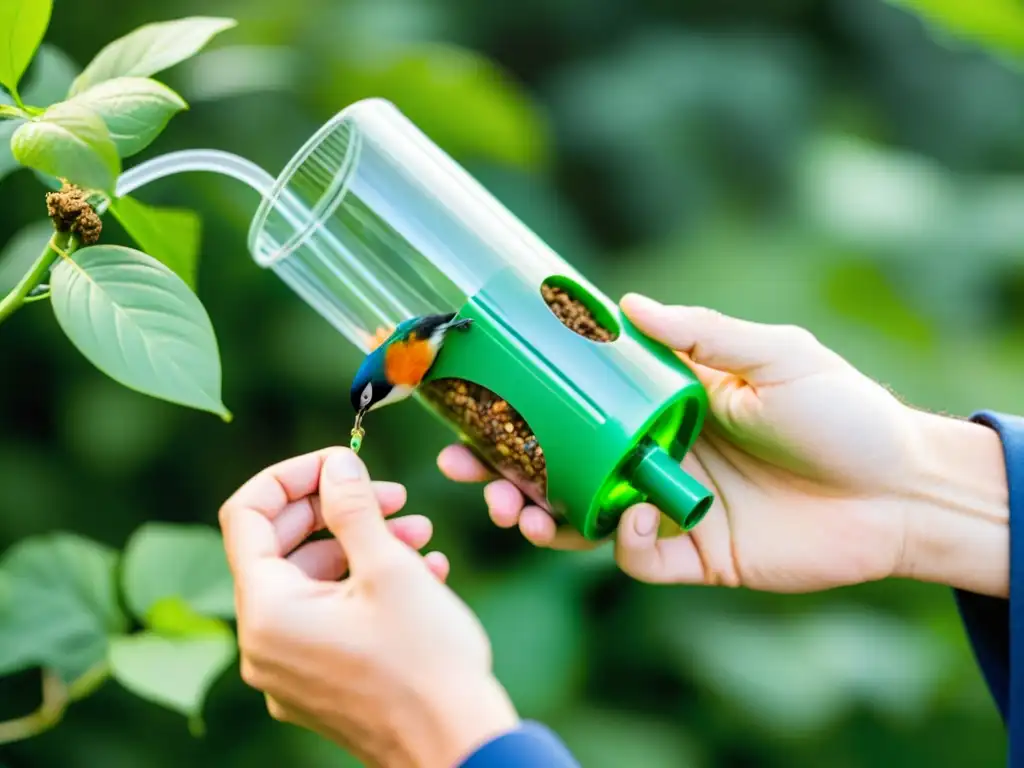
(645, 521)
(343, 465)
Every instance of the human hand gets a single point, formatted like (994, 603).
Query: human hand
(388, 662)
(821, 476)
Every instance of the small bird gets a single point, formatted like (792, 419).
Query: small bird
(393, 370)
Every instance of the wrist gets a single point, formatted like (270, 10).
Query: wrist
(956, 506)
(443, 727)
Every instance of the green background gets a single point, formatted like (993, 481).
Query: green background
(829, 163)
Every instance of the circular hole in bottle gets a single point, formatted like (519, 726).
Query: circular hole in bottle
(495, 429)
(578, 311)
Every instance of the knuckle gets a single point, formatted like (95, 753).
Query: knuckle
(250, 673)
(799, 336)
(722, 577)
(355, 496)
(255, 634)
(710, 320)
(277, 710)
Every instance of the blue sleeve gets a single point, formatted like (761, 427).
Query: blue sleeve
(529, 746)
(996, 626)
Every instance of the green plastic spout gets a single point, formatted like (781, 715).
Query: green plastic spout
(668, 487)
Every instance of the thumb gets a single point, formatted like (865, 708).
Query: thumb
(351, 511)
(725, 343)
(641, 554)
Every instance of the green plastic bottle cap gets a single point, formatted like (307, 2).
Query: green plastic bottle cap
(669, 488)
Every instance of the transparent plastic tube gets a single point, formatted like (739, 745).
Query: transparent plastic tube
(371, 223)
(210, 160)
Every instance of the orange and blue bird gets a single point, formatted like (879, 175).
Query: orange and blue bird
(393, 370)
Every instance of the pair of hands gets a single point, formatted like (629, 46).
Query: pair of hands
(821, 477)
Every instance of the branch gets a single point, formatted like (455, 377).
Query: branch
(56, 698)
(13, 301)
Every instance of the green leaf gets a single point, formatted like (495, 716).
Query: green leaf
(150, 49)
(171, 235)
(48, 81)
(175, 672)
(50, 77)
(185, 561)
(140, 324)
(174, 617)
(62, 605)
(135, 109)
(429, 82)
(995, 24)
(72, 142)
(23, 24)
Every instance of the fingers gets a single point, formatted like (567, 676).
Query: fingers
(438, 564)
(325, 560)
(709, 338)
(642, 555)
(246, 517)
(504, 503)
(458, 463)
(542, 530)
(537, 526)
(299, 519)
(322, 560)
(351, 511)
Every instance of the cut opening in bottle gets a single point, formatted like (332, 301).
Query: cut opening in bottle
(578, 311)
(495, 429)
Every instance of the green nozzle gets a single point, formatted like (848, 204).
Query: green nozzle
(668, 487)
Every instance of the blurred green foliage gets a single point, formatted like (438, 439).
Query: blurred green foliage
(840, 164)
(998, 24)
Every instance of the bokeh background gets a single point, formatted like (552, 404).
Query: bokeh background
(831, 163)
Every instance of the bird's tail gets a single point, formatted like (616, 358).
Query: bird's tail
(442, 322)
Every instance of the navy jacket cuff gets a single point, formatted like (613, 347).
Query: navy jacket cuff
(995, 627)
(530, 745)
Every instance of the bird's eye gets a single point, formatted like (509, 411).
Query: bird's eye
(367, 395)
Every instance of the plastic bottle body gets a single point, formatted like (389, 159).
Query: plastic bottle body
(371, 223)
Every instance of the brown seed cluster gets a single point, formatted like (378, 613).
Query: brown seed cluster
(493, 426)
(574, 314)
(70, 212)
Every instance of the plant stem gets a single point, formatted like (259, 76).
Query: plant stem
(54, 248)
(56, 698)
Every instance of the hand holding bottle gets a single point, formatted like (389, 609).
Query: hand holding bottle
(822, 477)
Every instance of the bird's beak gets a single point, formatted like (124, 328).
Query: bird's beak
(359, 418)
